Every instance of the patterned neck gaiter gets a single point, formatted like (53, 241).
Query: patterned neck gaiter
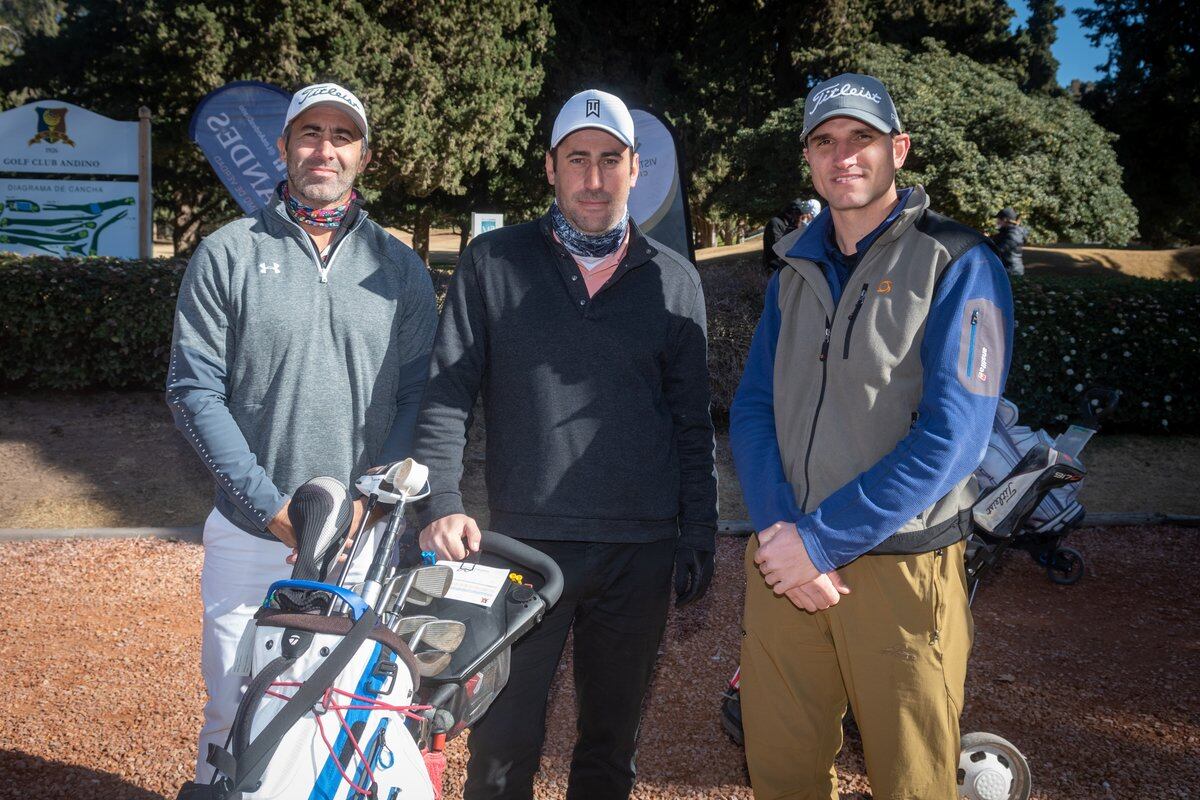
(316, 217)
(585, 244)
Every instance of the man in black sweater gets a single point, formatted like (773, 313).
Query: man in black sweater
(588, 343)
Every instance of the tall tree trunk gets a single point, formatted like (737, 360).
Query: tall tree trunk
(185, 228)
(464, 234)
(421, 235)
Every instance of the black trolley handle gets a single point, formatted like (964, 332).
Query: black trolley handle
(529, 557)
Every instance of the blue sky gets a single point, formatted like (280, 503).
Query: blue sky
(1076, 56)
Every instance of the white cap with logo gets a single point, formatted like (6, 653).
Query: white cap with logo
(322, 94)
(594, 109)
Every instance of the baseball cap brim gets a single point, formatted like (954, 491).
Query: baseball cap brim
(620, 137)
(345, 108)
(873, 120)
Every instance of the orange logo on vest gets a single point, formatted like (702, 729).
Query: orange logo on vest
(884, 287)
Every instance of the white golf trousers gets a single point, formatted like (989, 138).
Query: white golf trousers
(237, 570)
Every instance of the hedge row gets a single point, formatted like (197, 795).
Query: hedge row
(107, 324)
(1133, 334)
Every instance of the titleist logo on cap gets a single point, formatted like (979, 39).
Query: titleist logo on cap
(333, 91)
(846, 89)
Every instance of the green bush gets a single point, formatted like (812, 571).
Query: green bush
(979, 143)
(80, 323)
(1133, 334)
(103, 323)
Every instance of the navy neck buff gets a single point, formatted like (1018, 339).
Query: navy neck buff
(585, 244)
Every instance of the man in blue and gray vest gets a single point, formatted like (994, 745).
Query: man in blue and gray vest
(301, 348)
(865, 406)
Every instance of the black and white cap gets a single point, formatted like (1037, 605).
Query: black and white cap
(594, 109)
(322, 94)
(851, 95)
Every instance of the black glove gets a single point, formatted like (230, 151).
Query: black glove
(693, 573)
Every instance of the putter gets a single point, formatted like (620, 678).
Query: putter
(444, 635)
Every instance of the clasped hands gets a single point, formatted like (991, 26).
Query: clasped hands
(785, 565)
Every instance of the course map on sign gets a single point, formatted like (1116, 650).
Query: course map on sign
(475, 583)
(68, 218)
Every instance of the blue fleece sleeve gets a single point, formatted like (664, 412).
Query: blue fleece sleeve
(965, 356)
(197, 391)
(768, 494)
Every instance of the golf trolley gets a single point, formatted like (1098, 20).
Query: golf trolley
(351, 696)
(1028, 485)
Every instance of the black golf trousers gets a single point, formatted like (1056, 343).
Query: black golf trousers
(616, 598)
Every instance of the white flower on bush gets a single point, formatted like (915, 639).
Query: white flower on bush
(1027, 367)
(1128, 354)
(1166, 398)
(1070, 372)
(1145, 404)
(1067, 359)
(1079, 387)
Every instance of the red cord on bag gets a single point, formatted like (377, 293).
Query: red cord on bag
(358, 703)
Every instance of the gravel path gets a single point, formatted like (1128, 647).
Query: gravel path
(1095, 683)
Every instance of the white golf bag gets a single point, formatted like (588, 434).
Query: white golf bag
(1009, 442)
(351, 741)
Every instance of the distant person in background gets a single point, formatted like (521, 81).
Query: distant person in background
(795, 216)
(1009, 239)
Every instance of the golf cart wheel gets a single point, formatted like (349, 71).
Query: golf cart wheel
(992, 768)
(1066, 566)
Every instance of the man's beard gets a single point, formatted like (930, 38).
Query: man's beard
(317, 191)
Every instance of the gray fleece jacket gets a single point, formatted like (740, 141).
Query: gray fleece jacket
(284, 367)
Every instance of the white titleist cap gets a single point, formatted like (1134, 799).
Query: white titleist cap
(594, 109)
(328, 94)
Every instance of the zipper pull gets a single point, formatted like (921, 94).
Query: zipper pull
(862, 295)
(974, 318)
(825, 344)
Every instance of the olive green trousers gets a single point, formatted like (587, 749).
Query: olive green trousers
(895, 649)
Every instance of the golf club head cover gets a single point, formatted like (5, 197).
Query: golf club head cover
(693, 572)
(320, 513)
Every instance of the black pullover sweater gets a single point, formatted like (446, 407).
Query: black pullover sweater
(596, 409)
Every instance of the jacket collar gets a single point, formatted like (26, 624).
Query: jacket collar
(804, 251)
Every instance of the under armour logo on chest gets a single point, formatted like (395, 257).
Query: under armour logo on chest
(264, 268)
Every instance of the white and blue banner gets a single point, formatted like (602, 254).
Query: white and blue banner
(237, 127)
(658, 203)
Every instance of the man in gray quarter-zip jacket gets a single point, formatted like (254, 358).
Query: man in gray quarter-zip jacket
(865, 406)
(587, 342)
(301, 348)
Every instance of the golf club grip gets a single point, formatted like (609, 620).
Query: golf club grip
(507, 547)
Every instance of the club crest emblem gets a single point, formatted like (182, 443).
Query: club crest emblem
(593, 108)
(51, 127)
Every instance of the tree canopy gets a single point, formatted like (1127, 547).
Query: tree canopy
(446, 84)
(1150, 97)
(979, 144)
(462, 95)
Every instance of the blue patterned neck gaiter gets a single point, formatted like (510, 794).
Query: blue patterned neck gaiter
(585, 244)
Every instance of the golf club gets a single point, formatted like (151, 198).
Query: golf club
(444, 635)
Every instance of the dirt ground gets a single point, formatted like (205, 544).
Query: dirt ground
(114, 459)
(99, 658)
(1094, 683)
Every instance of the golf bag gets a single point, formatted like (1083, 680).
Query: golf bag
(1007, 445)
(331, 686)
